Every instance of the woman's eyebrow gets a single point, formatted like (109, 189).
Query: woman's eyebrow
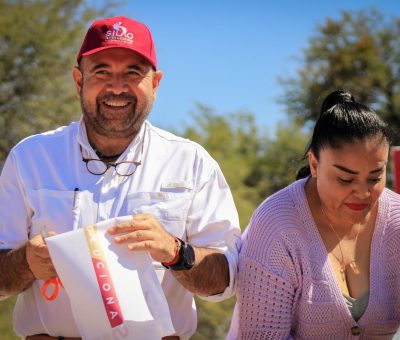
(352, 172)
(340, 167)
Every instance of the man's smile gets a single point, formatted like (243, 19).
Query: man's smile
(116, 103)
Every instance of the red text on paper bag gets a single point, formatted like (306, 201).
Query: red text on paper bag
(103, 276)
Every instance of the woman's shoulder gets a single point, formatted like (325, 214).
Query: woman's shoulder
(389, 205)
(278, 215)
(283, 203)
(390, 209)
(277, 235)
(392, 197)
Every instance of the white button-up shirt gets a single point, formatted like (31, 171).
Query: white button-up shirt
(45, 184)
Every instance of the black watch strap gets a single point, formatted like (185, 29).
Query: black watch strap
(186, 258)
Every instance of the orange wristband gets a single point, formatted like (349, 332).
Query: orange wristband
(176, 257)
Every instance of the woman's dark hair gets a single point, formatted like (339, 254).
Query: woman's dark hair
(342, 120)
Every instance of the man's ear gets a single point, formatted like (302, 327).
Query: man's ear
(78, 79)
(157, 75)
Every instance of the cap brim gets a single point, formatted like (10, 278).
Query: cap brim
(99, 49)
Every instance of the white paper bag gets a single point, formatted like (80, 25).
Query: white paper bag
(114, 292)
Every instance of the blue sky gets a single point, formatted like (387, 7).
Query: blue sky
(228, 54)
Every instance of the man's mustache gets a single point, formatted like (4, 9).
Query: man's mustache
(125, 97)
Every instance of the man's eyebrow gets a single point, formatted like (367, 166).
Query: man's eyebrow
(97, 66)
(136, 67)
(130, 67)
(352, 172)
(140, 68)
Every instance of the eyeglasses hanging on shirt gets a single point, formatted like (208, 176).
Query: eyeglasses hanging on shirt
(126, 168)
(99, 167)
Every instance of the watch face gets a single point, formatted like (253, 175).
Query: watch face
(189, 256)
(186, 258)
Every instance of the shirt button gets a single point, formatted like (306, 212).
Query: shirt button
(355, 330)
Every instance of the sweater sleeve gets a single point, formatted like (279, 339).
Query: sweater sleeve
(268, 278)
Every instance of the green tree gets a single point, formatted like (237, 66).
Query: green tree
(235, 142)
(361, 52)
(6, 329)
(39, 40)
(254, 164)
(280, 160)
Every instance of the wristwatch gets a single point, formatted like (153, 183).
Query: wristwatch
(186, 257)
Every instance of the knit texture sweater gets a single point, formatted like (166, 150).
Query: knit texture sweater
(287, 288)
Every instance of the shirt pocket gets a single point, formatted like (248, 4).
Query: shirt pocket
(170, 209)
(51, 209)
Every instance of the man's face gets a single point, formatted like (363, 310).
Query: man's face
(117, 88)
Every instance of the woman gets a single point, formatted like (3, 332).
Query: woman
(319, 259)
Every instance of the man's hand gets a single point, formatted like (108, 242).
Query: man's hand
(144, 232)
(21, 266)
(38, 258)
(209, 275)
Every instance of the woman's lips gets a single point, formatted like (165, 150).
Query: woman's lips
(357, 206)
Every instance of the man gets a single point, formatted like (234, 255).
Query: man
(115, 163)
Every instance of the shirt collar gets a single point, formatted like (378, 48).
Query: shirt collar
(131, 152)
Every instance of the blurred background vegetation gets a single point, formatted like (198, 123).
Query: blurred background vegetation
(359, 51)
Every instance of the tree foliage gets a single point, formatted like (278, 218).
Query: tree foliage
(235, 142)
(38, 44)
(280, 160)
(254, 163)
(360, 52)
(6, 329)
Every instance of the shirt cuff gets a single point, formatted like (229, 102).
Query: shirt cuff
(232, 258)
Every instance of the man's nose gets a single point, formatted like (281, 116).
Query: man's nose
(117, 84)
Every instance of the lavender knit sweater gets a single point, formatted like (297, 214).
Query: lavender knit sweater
(286, 285)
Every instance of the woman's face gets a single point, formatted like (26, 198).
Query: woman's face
(350, 179)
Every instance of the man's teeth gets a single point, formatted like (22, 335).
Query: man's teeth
(116, 103)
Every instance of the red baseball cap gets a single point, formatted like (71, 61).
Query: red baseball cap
(119, 32)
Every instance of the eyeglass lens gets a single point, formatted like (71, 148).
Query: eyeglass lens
(98, 167)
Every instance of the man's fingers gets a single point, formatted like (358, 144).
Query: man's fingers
(144, 245)
(136, 236)
(142, 217)
(37, 248)
(145, 233)
(41, 251)
(47, 269)
(128, 227)
(42, 268)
